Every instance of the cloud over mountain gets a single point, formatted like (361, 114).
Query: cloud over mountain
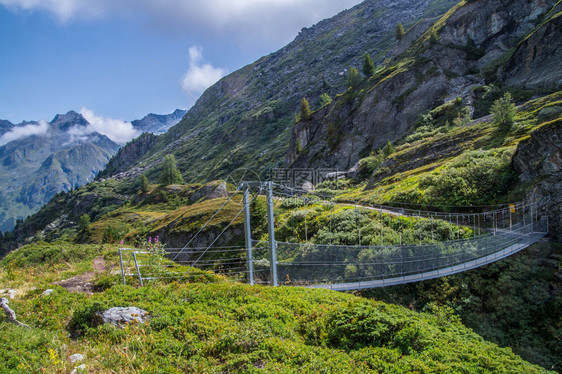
(117, 130)
(20, 132)
(200, 76)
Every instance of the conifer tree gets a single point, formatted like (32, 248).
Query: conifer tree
(368, 66)
(503, 112)
(84, 229)
(399, 31)
(354, 78)
(305, 109)
(144, 187)
(388, 149)
(170, 173)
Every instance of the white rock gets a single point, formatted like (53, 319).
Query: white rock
(79, 369)
(77, 357)
(48, 292)
(122, 316)
(9, 292)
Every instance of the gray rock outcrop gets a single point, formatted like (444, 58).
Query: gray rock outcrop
(539, 162)
(121, 317)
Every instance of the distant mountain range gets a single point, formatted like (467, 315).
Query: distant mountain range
(158, 124)
(40, 159)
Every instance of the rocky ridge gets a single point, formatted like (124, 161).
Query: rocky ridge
(447, 61)
(66, 156)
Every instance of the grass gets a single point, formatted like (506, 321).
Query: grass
(226, 327)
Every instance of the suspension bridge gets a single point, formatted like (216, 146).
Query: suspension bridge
(379, 245)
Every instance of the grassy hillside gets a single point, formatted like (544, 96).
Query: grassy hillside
(223, 327)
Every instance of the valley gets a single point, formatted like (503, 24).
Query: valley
(453, 122)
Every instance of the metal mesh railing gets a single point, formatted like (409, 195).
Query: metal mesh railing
(495, 234)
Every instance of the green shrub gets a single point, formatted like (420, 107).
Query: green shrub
(503, 112)
(111, 235)
(477, 177)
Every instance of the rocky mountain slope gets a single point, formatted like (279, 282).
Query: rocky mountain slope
(36, 167)
(43, 159)
(245, 119)
(514, 44)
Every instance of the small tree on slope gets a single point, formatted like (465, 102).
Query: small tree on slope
(170, 173)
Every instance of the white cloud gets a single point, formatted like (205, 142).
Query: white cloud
(118, 131)
(20, 132)
(269, 23)
(200, 76)
(64, 10)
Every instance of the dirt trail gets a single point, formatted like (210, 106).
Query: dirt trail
(83, 283)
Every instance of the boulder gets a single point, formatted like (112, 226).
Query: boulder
(79, 369)
(77, 357)
(9, 292)
(121, 317)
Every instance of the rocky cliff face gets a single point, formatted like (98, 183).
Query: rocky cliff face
(539, 163)
(129, 154)
(535, 64)
(445, 62)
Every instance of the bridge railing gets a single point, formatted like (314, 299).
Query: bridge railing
(494, 235)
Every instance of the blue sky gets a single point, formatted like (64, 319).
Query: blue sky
(96, 56)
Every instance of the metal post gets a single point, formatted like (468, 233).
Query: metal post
(121, 262)
(331, 213)
(400, 218)
(272, 242)
(458, 229)
(451, 227)
(479, 231)
(382, 225)
(138, 270)
(431, 218)
(357, 225)
(304, 202)
(248, 236)
(419, 225)
(532, 219)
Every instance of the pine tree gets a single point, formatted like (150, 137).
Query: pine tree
(368, 66)
(388, 149)
(305, 110)
(143, 181)
(503, 112)
(170, 173)
(354, 78)
(84, 229)
(399, 31)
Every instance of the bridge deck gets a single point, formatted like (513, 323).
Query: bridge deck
(472, 264)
